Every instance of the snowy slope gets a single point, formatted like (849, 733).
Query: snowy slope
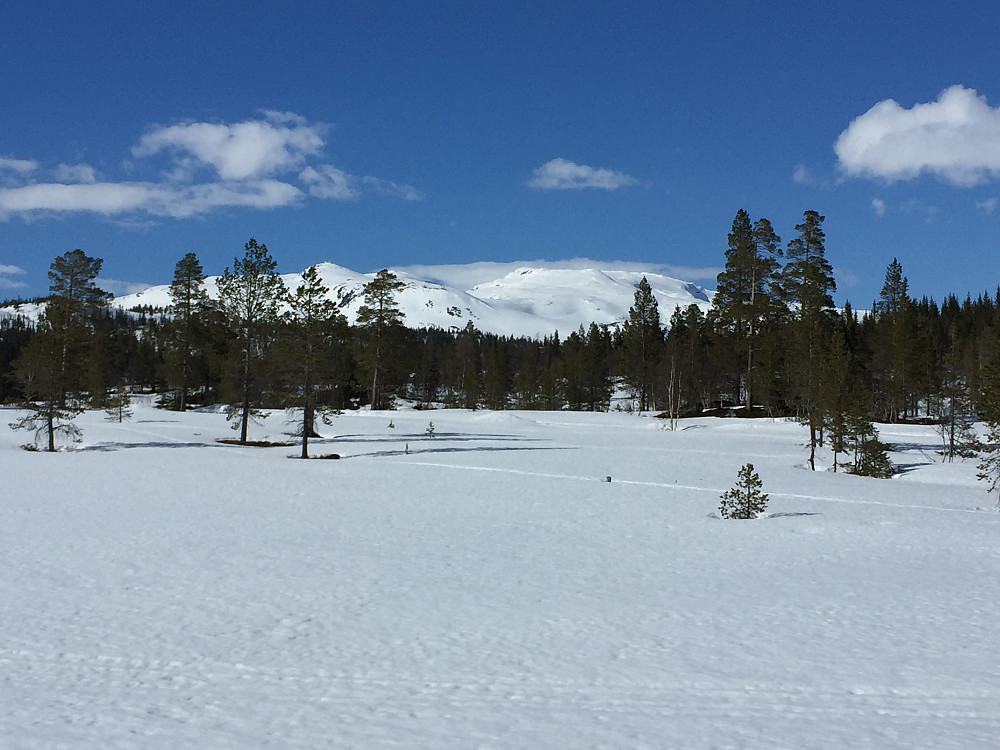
(488, 589)
(521, 301)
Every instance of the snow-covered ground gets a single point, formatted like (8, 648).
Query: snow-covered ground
(487, 588)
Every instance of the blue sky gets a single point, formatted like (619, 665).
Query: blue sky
(376, 134)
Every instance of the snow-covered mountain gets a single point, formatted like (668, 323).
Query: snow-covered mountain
(514, 300)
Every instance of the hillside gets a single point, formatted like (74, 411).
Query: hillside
(518, 301)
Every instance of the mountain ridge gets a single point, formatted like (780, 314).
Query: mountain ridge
(512, 299)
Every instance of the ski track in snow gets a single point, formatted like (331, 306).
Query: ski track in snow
(159, 595)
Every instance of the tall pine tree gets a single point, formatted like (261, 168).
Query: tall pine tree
(48, 366)
(378, 316)
(809, 283)
(642, 345)
(249, 298)
(311, 329)
(748, 293)
(188, 304)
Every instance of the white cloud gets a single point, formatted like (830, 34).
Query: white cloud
(242, 150)
(561, 174)
(392, 189)
(18, 165)
(109, 199)
(327, 181)
(801, 175)
(987, 206)
(8, 283)
(75, 173)
(956, 138)
(879, 205)
(246, 158)
(120, 288)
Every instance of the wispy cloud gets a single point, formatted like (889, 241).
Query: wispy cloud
(561, 174)
(956, 138)
(987, 206)
(254, 164)
(120, 288)
(17, 165)
(75, 173)
(6, 272)
(112, 199)
(802, 175)
(879, 205)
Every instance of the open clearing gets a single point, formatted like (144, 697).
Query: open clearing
(488, 588)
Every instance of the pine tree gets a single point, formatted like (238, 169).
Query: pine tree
(378, 315)
(597, 382)
(895, 330)
(306, 349)
(188, 303)
(808, 276)
(642, 345)
(989, 403)
(48, 367)
(808, 282)
(870, 454)
(748, 294)
(249, 298)
(119, 404)
(50, 410)
(744, 500)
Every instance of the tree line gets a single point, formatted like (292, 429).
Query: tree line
(772, 343)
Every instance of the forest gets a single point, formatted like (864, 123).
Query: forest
(772, 344)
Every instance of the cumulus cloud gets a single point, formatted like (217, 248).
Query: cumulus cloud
(241, 150)
(956, 138)
(252, 164)
(561, 174)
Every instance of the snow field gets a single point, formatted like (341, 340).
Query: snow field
(488, 589)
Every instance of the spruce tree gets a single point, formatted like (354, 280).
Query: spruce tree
(744, 500)
(249, 298)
